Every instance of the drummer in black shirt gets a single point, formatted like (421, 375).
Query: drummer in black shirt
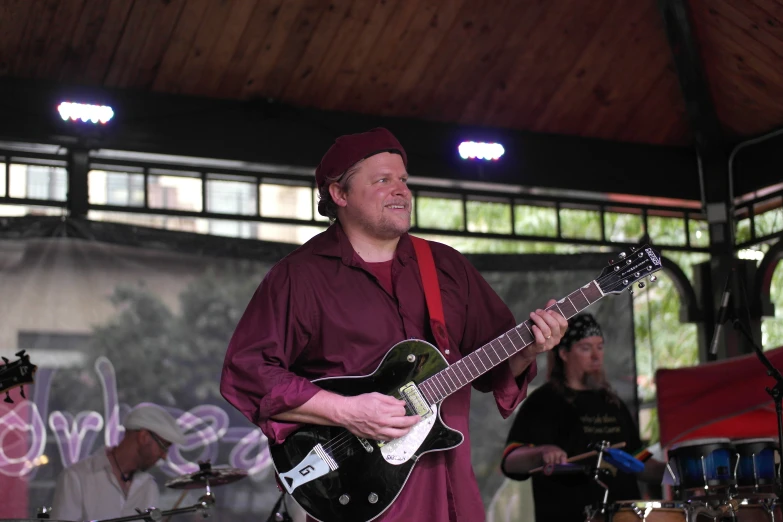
(575, 409)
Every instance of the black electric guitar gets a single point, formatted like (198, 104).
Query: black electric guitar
(338, 477)
(15, 374)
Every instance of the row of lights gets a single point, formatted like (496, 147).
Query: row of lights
(85, 112)
(480, 150)
(103, 113)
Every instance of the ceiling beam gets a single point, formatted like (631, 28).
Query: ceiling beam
(264, 131)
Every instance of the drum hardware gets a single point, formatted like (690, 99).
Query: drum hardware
(206, 477)
(600, 476)
(205, 502)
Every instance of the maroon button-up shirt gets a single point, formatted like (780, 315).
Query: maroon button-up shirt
(321, 313)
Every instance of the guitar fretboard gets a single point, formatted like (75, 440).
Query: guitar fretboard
(480, 361)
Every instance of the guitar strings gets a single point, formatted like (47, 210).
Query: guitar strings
(337, 446)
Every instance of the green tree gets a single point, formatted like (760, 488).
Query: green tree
(159, 355)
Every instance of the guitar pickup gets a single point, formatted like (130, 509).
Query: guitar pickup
(416, 402)
(316, 464)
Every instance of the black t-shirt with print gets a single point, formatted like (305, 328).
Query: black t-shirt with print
(574, 420)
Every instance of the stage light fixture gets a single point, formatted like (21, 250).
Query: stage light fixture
(85, 112)
(481, 150)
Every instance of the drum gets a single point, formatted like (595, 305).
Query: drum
(703, 463)
(756, 466)
(761, 508)
(646, 510)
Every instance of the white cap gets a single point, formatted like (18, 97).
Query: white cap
(154, 418)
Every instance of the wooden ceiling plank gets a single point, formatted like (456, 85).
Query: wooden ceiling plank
(248, 48)
(554, 45)
(136, 31)
(347, 38)
(39, 25)
(428, 68)
(750, 30)
(220, 57)
(153, 48)
(82, 44)
(752, 107)
(15, 15)
(470, 67)
(167, 78)
(112, 26)
(648, 123)
(205, 40)
(579, 91)
(525, 17)
(58, 42)
(636, 67)
(364, 94)
(294, 47)
(384, 71)
(753, 61)
(271, 49)
(355, 59)
(763, 19)
(319, 46)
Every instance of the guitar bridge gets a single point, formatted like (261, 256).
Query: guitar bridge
(316, 464)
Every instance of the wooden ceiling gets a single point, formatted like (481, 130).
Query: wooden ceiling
(599, 68)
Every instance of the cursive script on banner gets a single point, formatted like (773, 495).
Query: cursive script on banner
(23, 433)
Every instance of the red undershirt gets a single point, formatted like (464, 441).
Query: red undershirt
(383, 271)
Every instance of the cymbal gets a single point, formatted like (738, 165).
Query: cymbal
(207, 474)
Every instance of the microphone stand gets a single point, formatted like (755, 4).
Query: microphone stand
(776, 392)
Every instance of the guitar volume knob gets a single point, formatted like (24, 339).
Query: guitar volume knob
(372, 498)
(344, 499)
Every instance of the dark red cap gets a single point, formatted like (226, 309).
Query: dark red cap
(352, 148)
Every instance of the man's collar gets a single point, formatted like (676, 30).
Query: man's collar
(334, 243)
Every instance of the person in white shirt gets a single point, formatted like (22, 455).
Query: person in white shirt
(113, 482)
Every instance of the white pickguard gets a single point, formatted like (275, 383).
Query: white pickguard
(399, 451)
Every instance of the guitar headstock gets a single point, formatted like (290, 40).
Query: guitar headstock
(14, 374)
(631, 267)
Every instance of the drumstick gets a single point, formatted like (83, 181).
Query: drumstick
(176, 504)
(581, 456)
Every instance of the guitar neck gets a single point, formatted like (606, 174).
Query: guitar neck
(482, 360)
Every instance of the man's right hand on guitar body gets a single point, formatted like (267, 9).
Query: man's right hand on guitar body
(371, 415)
(376, 416)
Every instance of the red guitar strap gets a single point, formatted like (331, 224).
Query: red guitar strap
(429, 278)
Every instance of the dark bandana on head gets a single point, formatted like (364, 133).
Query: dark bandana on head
(579, 327)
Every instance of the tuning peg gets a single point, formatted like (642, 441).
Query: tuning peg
(611, 261)
(20, 353)
(633, 249)
(630, 292)
(622, 255)
(5, 360)
(21, 392)
(641, 285)
(8, 398)
(653, 279)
